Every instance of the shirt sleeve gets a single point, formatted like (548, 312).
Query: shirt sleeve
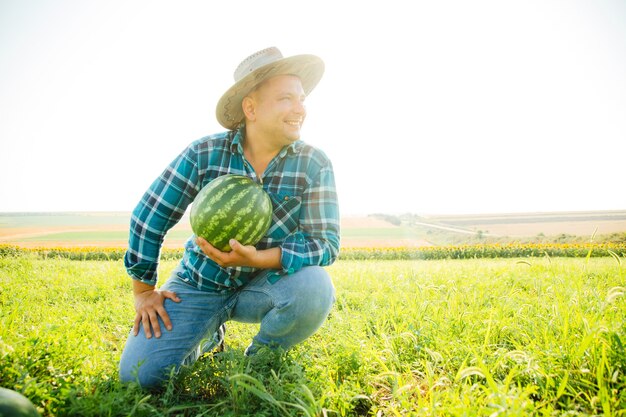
(160, 208)
(317, 240)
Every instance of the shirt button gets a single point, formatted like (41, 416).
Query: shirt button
(286, 198)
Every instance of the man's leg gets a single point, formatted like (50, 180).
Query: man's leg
(290, 310)
(197, 316)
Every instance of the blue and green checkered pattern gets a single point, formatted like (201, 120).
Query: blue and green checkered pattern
(299, 180)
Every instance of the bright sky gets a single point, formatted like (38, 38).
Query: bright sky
(425, 107)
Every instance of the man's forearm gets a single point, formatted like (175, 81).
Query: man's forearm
(268, 259)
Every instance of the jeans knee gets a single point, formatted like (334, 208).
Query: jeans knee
(323, 284)
(317, 293)
(144, 373)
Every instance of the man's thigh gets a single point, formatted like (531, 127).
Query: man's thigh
(310, 285)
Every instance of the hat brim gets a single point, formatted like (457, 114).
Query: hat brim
(309, 68)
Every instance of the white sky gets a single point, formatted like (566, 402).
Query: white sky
(437, 107)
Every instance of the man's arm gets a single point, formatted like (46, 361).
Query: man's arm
(316, 242)
(160, 208)
(242, 255)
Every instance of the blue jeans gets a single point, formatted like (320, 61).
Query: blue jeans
(290, 310)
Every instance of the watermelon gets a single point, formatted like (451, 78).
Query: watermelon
(231, 207)
(14, 404)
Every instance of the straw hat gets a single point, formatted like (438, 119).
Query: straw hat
(259, 67)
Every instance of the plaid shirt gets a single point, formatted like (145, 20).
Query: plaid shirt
(305, 222)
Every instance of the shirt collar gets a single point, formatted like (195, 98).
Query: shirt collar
(240, 136)
(236, 145)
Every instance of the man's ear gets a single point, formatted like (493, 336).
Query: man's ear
(248, 105)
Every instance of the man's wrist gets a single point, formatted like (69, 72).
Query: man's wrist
(268, 258)
(140, 287)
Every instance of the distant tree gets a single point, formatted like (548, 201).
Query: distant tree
(395, 220)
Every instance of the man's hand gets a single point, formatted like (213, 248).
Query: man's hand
(149, 307)
(241, 255)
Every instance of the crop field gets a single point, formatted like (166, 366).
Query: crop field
(531, 224)
(475, 337)
(111, 229)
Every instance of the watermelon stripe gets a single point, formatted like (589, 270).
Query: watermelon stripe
(231, 206)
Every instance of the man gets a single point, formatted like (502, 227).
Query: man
(279, 282)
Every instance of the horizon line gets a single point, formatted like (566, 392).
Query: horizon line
(346, 215)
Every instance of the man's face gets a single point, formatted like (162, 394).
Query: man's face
(279, 108)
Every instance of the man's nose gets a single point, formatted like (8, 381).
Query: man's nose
(300, 108)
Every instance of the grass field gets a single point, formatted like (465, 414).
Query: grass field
(499, 337)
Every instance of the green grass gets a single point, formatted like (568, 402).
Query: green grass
(502, 337)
